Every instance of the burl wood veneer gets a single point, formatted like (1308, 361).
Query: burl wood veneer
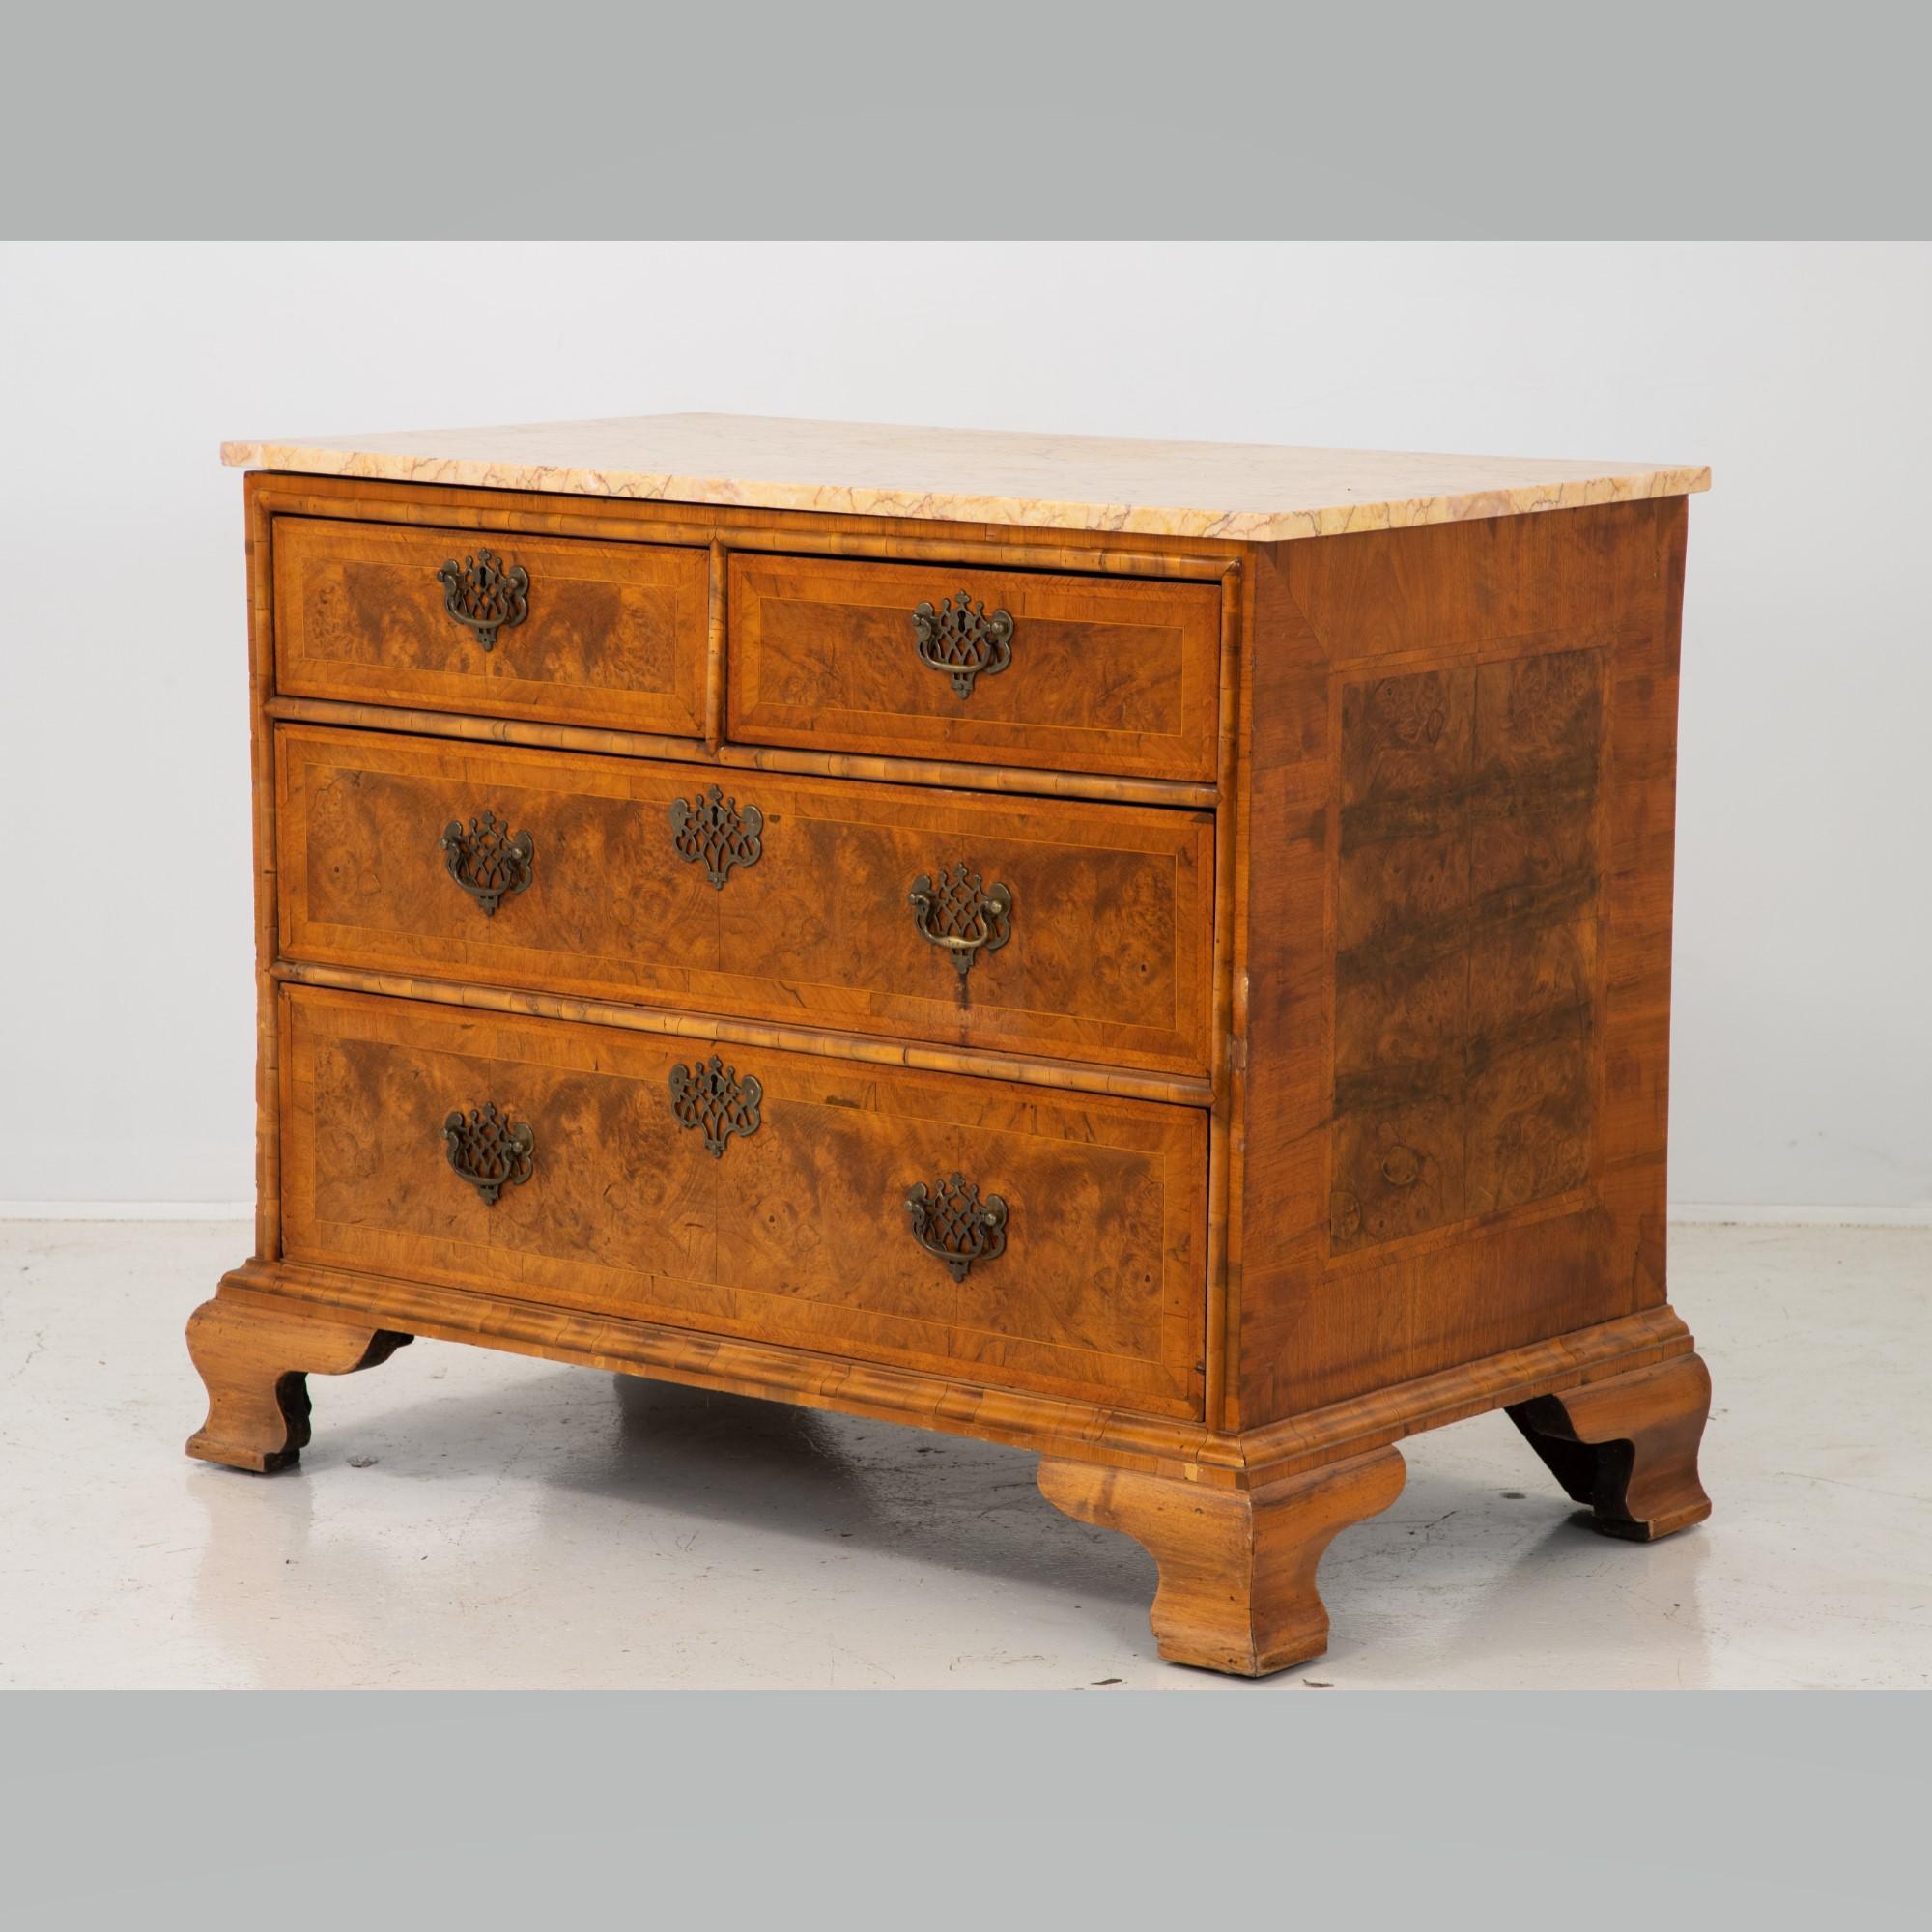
(1155, 953)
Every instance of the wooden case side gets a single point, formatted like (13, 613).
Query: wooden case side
(258, 524)
(1453, 961)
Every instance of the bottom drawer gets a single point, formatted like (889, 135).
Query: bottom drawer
(772, 1196)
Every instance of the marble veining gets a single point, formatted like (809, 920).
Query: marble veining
(1251, 492)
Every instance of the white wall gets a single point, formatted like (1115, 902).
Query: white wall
(1804, 1003)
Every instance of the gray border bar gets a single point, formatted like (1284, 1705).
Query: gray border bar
(1008, 119)
(854, 1808)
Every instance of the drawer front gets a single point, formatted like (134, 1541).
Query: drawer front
(1077, 930)
(440, 620)
(776, 1198)
(1076, 674)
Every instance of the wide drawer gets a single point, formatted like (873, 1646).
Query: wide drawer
(954, 1224)
(493, 622)
(1077, 930)
(1078, 674)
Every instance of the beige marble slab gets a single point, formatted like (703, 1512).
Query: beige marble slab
(1256, 492)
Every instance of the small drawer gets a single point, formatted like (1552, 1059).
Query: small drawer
(1005, 667)
(1071, 929)
(948, 1224)
(493, 623)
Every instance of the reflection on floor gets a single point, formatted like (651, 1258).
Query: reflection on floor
(469, 1518)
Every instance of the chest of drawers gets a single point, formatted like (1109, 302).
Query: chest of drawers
(1157, 953)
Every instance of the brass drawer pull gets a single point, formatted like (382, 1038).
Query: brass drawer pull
(481, 593)
(962, 915)
(709, 1094)
(955, 1226)
(716, 834)
(486, 1150)
(488, 861)
(963, 639)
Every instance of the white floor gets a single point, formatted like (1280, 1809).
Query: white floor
(469, 1519)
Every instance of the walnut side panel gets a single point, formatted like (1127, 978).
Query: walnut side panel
(1455, 947)
(1467, 896)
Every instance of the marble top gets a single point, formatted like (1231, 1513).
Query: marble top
(1259, 493)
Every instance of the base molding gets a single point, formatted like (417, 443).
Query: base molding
(1064, 1430)
(1083, 1430)
(1367, 1422)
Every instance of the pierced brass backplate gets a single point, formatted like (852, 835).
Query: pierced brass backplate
(716, 834)
(487, 1151)
(962, 915)
(489, 862)
(963, 639)
(709, 1095)
(481, 593)
(953, 1225)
